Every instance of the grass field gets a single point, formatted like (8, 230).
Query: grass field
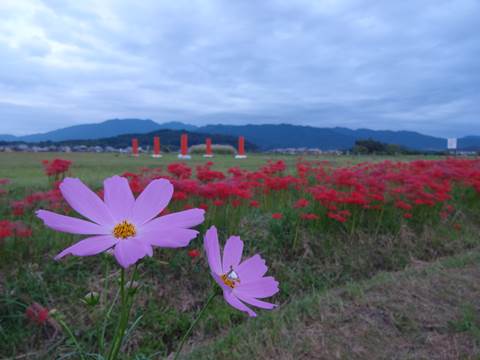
(25, 170)
(377, 284)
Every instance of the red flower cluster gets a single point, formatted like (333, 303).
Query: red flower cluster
(321, 189)
(277, 216)
(309, 216)
(179, 170)
(206, 174)
(56, 168)
(14, 228)
(6, 229)
(37, 314)
(313, 191)
(194, 253)
(4, 182)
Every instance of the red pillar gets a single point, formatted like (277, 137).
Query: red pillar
(241, 145)
(184, 145)
(241, 148)
(135, 147)
(156, 146)
(208, 147)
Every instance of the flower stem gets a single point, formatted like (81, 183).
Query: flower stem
(126, 298)
(187, 334)
(72, 336)
(294, 245)
(379, 223)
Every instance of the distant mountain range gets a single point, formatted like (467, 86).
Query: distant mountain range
(101, 130)
(266, 136)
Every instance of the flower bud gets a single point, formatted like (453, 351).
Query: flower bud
(91, 299)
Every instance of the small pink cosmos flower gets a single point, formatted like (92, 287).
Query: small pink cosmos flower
(240, 281)
(127, 225)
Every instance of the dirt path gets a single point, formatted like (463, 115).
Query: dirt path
(430, 317)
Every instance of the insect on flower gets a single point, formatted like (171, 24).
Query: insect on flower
(240, 281)
(127, 225)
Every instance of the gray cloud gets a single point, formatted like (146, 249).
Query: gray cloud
(411, 64)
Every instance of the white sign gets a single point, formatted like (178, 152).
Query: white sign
(452, 143)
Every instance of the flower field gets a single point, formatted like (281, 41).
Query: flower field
(319, 223)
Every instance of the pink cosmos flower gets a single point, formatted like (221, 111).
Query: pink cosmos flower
(240, 281)
(127, 225)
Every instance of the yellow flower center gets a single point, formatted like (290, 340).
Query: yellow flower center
(231, 278)
(124, 230)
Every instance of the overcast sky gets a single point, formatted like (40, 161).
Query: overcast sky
(408, 64)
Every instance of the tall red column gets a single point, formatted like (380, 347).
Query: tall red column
(241, 145)
(184, 147)
(208, 148)
(135, 147)
(241, 148)
(156, 147)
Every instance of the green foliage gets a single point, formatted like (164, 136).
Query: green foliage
(468, 322)
(370, 146)
(304, 256)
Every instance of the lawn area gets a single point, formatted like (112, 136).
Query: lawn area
(25, 169)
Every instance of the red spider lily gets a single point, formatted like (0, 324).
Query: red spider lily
(194, 253)
(56, 168)
(18, 208)
(205, 174)
(408, 215)
(301, 203)
(37, 314)
(277, 216)
(179, 170)
(274, 167)
(6, 229)
(309, 216)
(236, 203)
(236, 172)
(179, 195)
(340, 217)
(203, 206)
(21, 230)
(254, 203)
(403, 205)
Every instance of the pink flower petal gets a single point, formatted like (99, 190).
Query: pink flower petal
(89, 246)
(168, 237)
(237, 304)
(251, 269)
(85, 201)
(261, 288)
(255, 302)
(70, 224)
(232, 253)
(152, 201)
(212, 248)
(118, 197)
(130, 250)
(181, 219)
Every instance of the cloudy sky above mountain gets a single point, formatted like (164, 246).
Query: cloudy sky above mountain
(410, 64)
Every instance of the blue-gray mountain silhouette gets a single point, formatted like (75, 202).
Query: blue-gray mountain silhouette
(266, 136)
